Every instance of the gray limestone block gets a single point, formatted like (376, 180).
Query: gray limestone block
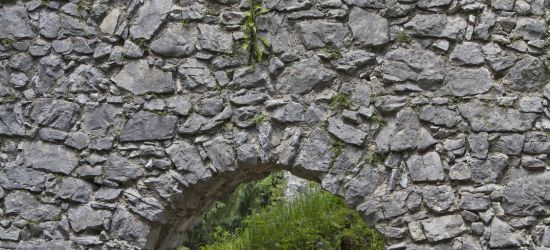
(145, 125)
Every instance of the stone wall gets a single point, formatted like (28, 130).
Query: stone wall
(122, 120)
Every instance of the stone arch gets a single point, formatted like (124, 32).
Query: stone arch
(351, 177)
(121, 120)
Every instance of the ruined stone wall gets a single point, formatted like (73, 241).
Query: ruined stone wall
(122, 120)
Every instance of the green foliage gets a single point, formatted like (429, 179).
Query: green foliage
(547, 66)
(332, 51)
(313, 220)
(372, 158)
(378, 119)
(141, 42)
(341, 100)
(259, 118)
(255, 44)
(9, 98)
(6, 42)
(226, 216)
(404, 37)
(337, 148)
(184, 22)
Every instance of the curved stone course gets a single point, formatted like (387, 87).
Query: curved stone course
(122, 120)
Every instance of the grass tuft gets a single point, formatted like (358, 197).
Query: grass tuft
(313, 220)
(340, 100)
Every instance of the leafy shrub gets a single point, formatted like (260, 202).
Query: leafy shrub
(313, 220)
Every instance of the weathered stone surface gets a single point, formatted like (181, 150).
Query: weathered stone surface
(186, 158)
(437, 25)
(368, 28)
(465, 81)
(526, 75)
(10, 123)
(345, 132)
(140, 78)
(315, 155)
(15, 23)
(49, 70)
(290, 112)
(405, 135)
(177, 41)
(150, 16)
(467, 53)
(444, 227)
(220, 153)
(121, 170)
(55, 113)
(501, 235)
(101, 119)
(42, 212)
(144, 126)
(416, 65)
(74, 189)
(147, 207)
(84, 217)
(366, 3)
(38, 244)
(17, 177)
(320, 34)
(85, 78)
(490, 170)
(479, 145)
(525, 195)
(510, 144)
(49, 157)
(484, 117)
(438, 198)
(529, 28)
(303, 76)
(447, 116)
(19, 201)
(215, 38)
(196, 75)
(537, 143)
(474, 201)
(128, 227)
(440, 116)
(425, 167)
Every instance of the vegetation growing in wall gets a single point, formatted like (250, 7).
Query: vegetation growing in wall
(340, 100)
(227, 215)
(313, 220)
(256, 44)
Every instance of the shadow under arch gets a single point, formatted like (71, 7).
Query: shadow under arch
(344, 172)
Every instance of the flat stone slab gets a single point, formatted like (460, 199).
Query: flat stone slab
(144, 126)
(140, 78)
(490, 118)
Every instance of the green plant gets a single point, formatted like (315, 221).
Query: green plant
(404, 37)
(332, 51)
(456, 99)
(373, 157)
(337, 148)
(141, 42)
(546, 66)
(340, 100)
(315, 219)
(254, 43)
(378, 119)
(184, 22)
(224, 217)
(6, 42)
(9, 98)
(259, 118)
